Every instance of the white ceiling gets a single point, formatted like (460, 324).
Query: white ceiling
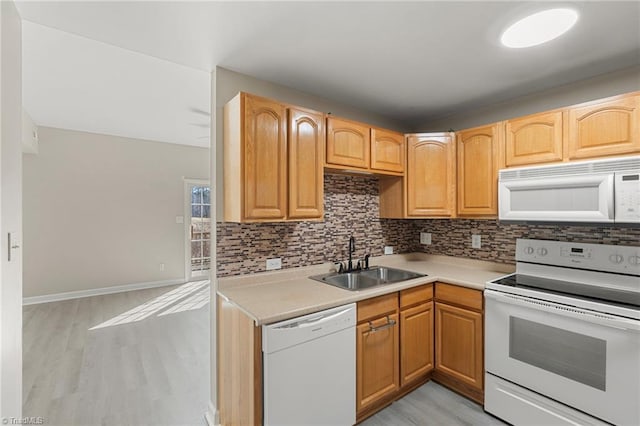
(72, 82)
(410, 61)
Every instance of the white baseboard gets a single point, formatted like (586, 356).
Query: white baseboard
(98, 291)
(211, 416)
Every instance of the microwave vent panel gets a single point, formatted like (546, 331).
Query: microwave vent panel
(573, 169)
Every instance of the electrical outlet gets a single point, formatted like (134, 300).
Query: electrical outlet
(275, 263)
(388, 249)
(476, 241)
(425, 238)
(161, 267)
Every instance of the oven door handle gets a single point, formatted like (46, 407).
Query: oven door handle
(564, 310)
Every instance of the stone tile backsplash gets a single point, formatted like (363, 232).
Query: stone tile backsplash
(352, 208)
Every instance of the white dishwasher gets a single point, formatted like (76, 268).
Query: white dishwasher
(310, 369)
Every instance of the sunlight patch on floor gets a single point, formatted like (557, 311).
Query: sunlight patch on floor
(188, 296)
(195, 301)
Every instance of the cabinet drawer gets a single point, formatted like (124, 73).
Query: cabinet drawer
(377, 306)
(461, 296)
(415, 295)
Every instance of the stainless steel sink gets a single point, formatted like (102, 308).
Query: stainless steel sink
(390, 275)
(372, 277)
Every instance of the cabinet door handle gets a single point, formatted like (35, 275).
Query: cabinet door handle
(390, 323)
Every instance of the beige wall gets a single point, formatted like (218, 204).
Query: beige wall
(100, 211)
(623, 81)
(10, 211)
(229, 83)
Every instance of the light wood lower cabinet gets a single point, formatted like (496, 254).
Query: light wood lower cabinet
(416, 335)
(395, 350)
(459, 340)
(377, 353)
(239, 369)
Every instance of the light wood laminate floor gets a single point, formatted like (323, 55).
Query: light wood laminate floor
(134, 358)
(433, 405)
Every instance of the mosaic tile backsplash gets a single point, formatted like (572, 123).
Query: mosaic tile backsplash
(452, 237)
(352, 208)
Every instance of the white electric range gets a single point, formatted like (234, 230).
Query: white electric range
(562, 336)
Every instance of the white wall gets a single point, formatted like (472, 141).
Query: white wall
(229, 83)
(10, 211)
(610, 84)
(100, 211)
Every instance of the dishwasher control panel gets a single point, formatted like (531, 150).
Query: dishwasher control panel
(294, 331)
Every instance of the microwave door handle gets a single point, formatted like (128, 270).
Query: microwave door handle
(566, 311)
(611, 196)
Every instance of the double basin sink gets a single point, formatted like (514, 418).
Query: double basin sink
(367, 278)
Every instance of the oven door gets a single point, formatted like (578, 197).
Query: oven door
(585, 359)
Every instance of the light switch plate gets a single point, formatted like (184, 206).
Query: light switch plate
(388, 249)
(179, 219)
(425, 238)
(275, 263)
(476, 241)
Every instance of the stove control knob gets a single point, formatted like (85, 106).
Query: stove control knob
(542, 251)
(529, 250)
(616, 258)
(634, 260)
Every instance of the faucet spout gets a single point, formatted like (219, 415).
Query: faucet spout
(352, 249)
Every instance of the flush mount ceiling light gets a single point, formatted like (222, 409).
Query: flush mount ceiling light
(539, 28)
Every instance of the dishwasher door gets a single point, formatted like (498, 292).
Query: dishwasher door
(310, 369)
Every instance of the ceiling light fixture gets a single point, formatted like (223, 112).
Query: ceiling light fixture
(539, 28)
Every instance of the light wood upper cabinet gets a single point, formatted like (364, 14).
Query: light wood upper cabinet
(387, 150)
(348, 143)
(606, 128)
(265, 159)
(430, 177)
(273, 161)
(306, 159)
(534, 139)
(356, 146)
(479, 159)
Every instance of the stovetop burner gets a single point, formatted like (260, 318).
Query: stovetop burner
(616, 297)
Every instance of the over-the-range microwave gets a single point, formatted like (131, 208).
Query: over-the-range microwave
(587, 191)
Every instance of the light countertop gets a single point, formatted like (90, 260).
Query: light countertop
(276, 296)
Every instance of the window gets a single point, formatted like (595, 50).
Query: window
(200, 229)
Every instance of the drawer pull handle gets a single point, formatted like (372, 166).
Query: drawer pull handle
(390, 323)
